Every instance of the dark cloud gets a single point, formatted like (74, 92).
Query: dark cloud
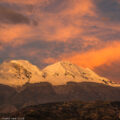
(111, 71)
(109, 9)
(46, 48)
(10, 16)
(55, 6)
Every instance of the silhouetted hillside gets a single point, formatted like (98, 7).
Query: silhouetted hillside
(33, 94)
(87, 91)
(12, 99)
(6, 92)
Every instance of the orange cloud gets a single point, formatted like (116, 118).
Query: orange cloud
(64, 25)
(67, 23)
(25, 1)
(51, 26)
(92, 58)
(14, 34)
(63, 33)
(81, 7)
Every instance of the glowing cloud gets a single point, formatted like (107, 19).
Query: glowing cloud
(93, 58)
(14, 34)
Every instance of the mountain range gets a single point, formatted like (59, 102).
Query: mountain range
(23, 84)
(20, 72)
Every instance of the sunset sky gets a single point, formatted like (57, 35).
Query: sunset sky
(85, 32)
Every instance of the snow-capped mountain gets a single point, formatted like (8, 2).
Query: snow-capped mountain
(63, 72)
(62, 81)
(20, 72)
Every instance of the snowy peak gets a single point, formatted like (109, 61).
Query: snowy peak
(63, 72)
(57, 67)
(18, 72)
(62, 67)
(18, 65)
(26, 64)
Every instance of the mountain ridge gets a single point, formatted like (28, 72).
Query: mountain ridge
(20, 72)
